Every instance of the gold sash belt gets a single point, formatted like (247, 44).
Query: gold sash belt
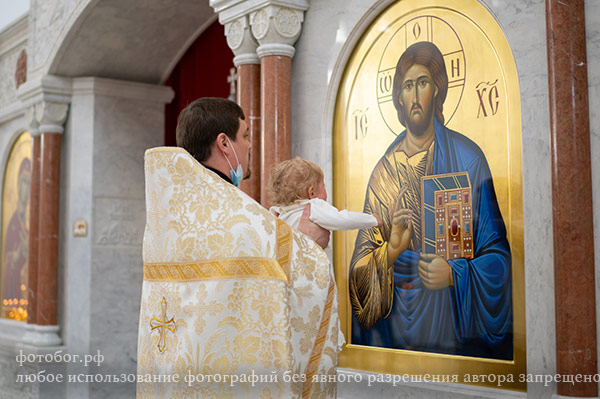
(215, 269)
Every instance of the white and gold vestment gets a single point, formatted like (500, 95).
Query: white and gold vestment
(235, 303)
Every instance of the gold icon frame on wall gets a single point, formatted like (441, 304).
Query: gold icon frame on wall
(12, 195)
(483, 103)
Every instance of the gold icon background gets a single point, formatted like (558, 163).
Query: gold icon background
(483, 103)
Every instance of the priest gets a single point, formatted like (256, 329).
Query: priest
(235, 303)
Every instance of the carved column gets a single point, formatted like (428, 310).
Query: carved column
(243, 45)
(34, 205)
(51, 117)
(571, 196)
(276, 27)
(44, 328)
(46, 100)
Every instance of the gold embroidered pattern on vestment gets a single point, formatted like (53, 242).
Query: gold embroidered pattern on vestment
(163, 325)
(315, 356)
(215, 269)
(284, 245)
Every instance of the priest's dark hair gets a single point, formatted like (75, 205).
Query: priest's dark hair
(428, 55)
(199, 124)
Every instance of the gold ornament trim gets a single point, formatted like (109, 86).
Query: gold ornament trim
(317, 351)
(284, 246)
(215, 269)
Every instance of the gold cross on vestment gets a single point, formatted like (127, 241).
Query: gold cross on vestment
(163, 325)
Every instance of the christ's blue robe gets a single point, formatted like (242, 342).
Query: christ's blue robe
(472, 317)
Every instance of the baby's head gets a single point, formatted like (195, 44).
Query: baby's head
(296, 179)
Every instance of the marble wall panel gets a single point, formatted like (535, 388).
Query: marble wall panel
(111, 124)
(46, 17)
(123, 130)
(76, 252)
(115, 295)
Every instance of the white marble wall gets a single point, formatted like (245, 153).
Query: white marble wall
(331, 28)
(110, 126)
(50, 21)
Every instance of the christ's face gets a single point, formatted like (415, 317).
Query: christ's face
(417, 96)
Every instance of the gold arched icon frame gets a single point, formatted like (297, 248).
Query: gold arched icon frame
(359, 139)
(20, 150)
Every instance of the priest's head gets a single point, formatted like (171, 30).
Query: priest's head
(420, 87)
(214, 132)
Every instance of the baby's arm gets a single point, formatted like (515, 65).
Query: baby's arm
(329, 217)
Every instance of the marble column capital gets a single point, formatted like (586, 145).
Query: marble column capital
(51, 116)
(275, 25)
(276, 28)
(46, 101)
(32, 122)
(241, 41)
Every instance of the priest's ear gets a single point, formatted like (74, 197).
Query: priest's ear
(311, 192)
(222, 143)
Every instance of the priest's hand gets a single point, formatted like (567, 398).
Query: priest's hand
(313, 230)
(435, 272)
(401, 233)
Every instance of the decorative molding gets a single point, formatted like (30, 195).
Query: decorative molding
(229, 10)
(116, 225)
(287, 22)
(122, 89)
(245, 59)
(275, 49)
(11, 112)
(260, 24)
(14, 35)
(47, 88)
(235, 34)
(41, 336)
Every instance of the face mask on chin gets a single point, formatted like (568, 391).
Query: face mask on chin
(237, 174)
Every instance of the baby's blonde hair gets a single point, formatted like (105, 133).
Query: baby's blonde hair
(291, 180)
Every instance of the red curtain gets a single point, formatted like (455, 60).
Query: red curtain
(201, 72)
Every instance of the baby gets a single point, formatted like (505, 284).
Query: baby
(296, 183)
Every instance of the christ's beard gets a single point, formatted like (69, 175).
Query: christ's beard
(418, 128)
